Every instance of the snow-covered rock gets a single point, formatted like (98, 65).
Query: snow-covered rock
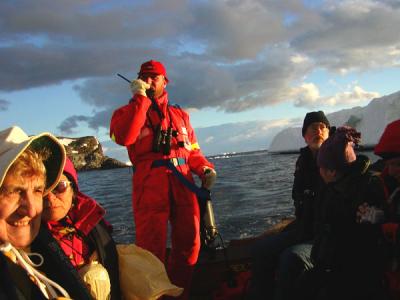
(86, 153)
(370, 120)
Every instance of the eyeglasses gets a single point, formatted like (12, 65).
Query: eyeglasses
(61, 187)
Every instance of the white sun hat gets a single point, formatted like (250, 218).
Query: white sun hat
(14, 141)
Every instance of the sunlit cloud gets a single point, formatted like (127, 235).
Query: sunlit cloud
(308, 95)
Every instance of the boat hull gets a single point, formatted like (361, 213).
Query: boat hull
(222, 266)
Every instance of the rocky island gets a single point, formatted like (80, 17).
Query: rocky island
(86, 153)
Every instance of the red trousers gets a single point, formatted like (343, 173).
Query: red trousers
(159, 198)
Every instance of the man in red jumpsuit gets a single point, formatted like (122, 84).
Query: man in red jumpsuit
(155, 132)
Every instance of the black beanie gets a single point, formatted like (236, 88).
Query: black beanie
(314, 116)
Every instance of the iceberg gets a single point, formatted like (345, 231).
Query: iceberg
(370, 120)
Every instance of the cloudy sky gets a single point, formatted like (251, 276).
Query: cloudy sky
(228, 61)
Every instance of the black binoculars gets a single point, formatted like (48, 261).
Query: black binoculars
(162, 140)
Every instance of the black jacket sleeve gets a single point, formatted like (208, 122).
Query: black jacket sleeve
(57, 265)
(108, 255)
(298, 187)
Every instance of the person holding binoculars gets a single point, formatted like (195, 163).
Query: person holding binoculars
(157, 134)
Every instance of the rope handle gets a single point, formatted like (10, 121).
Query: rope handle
(48, 287)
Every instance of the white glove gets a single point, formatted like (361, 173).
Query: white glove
(209, 177)
(96, 279)
(369, 214)
(138, 86)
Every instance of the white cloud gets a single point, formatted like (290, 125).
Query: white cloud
(209, 139)
(308, 95)
(298, 59)
(276, 123)
(357, 96)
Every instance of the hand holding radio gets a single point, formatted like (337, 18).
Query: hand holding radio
(140, 87)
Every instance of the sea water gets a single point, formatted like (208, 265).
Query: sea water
(252, 192)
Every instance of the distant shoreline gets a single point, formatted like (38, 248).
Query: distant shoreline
(233, 153)
(360, 148)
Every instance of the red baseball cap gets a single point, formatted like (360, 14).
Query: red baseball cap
(153, 67)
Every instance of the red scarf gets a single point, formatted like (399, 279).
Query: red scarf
(71, 241)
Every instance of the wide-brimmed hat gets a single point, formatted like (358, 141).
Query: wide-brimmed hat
(14, 141)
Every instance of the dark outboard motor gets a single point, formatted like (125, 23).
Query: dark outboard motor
(208, 227)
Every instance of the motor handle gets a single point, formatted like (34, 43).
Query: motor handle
(209, 222)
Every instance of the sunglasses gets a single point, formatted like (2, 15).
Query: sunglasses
(61, 187)
(149, 75)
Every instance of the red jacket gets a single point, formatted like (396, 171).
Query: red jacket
(72, 230)
(130, 126)
(83, 216)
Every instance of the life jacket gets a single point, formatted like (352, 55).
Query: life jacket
(135, 126)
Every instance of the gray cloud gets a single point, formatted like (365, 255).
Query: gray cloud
(67, 126)
(354, 35)
(231, 88)
(4, 104)
(231, 55)
(90, 22)
(33, 66)
(100, 119)
(197, 83)
(97, 120)
(231, 29)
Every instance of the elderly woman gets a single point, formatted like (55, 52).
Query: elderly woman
(29, 168)
(77, 223)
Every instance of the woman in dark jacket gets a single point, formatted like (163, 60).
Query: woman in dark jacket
(347, 248)
(77, 222)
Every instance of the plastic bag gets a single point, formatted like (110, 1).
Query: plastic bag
(96, 278)
(143, 275)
